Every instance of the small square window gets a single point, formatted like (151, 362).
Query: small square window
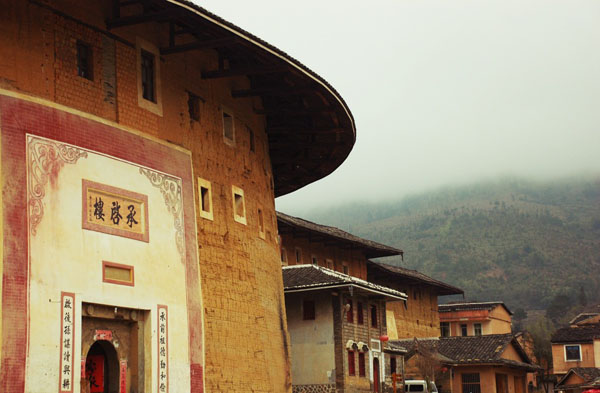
(239, 205)
(572, 353)
(84, 60)
(194, 106)
(308, 307)
(477, 329)
(261, 224)
(228, 128)
(298, 255)
(314, 260)
(205, 196)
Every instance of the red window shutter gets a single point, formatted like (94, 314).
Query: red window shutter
(361, 364)
(351, 366)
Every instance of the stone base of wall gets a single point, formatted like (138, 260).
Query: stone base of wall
(322, 388)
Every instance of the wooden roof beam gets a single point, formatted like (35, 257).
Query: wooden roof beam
(204, 44)
(272, 91)
(253, 70)
(160, 16)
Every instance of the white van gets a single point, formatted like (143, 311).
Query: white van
(419, 386)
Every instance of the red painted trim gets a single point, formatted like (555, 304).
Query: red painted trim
(60, 369)
(120, 266)
(123, 377)
(85, 224)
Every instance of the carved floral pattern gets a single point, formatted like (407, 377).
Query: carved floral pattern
(46, 159)
(170, 188)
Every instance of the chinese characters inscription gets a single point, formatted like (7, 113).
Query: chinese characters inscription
(66, 342)
(163, 350)
(115, 211)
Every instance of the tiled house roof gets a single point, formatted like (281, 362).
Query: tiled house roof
(485, 349)
(462, 306)
(403, 274)
(289, 224)
(311, 277)
(576, 334)
(590, 376)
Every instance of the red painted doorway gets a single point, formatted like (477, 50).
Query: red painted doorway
(376, 375)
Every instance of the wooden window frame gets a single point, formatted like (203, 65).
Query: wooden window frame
(351, 364)
(362, 369)
(373, 312)
(578, 349)
(350, 311)
(85, 60)
(144, 47)
(464, 332)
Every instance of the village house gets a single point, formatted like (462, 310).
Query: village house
(336, 317)
(579, 379)
(142, 146)
(494, 363)
(474, 319)
(575, 347)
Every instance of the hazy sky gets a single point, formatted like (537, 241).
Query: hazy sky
(444, 91)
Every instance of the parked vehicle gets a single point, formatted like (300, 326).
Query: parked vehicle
(419, 386)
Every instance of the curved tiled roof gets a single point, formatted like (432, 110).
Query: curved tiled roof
(576, 334)
(486, 349)
(462, 306)
(289, 224)
(312, 277)
(415, 276)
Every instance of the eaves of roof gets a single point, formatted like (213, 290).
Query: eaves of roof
(302, 278)
(295, 226)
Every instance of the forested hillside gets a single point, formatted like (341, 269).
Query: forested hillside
(522, 242)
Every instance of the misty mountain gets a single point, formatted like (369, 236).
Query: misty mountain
(519, 241)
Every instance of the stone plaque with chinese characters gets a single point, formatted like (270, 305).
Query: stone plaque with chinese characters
(115, 211)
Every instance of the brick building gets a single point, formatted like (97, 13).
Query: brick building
(336, 317)
(142, 146)
(417, 317)
(474, 318)
(492, 363)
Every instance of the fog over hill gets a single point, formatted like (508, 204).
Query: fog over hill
(520, 241)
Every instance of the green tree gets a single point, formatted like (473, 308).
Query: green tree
(541, 331)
